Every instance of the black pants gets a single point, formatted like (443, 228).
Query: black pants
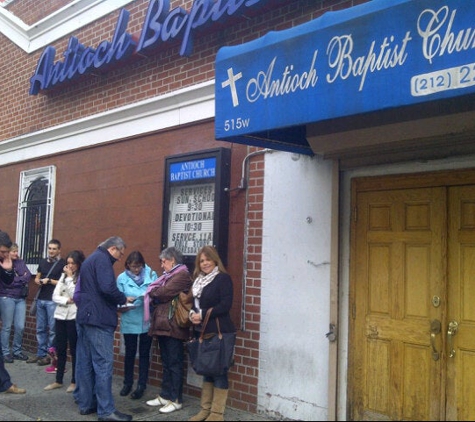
(65, 333)
(172, 353)
(145, 343)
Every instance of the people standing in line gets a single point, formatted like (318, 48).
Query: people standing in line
(65, 316)
(97, 298)
(13, 308)
(171, 336)
(48, 273)
(212, 288)
(133, 282)
(7, 276)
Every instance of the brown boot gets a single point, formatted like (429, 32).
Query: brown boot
(206, 400)
(218, 406)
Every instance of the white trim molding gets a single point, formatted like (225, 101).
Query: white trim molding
(57, 25)
(177, 108)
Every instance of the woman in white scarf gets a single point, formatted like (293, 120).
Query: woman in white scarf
(212, 288)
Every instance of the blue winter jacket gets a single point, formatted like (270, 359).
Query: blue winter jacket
(131, 322)
(96, 294)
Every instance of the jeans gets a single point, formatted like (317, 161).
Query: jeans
(145, 343)
(66, 334)
(5, 382)
(172, 353)
(12, 312)
(44, 320)
(94, 366)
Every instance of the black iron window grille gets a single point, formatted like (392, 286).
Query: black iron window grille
(35, 212)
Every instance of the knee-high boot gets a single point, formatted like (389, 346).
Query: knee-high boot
(220, 396)
(206, 400)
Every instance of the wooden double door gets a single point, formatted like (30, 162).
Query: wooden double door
(412, 298)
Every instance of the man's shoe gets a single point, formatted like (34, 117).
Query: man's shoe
(88, 411)
(20, 356)
(116, 416)
(15, 390)
(44, 361)
(126, 389)
(8, 359)
(33, 359)
(138, 393)
(71, 388)
(170, 407)
(159, 401)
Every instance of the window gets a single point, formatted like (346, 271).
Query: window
(35, 214)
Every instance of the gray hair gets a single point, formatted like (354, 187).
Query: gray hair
(113, 241)
(172, 253)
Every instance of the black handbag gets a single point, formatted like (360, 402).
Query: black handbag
(212, 356)
(24, 291)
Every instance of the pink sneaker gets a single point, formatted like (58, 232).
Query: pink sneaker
(52, 370)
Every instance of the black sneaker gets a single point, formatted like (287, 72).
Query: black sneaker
(8, 359)
(20, 356)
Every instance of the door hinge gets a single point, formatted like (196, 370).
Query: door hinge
(355, 214)
(353, 311)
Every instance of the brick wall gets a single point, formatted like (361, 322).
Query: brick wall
(243, 394)
(246, 310)
(143, 78)
(147, 77)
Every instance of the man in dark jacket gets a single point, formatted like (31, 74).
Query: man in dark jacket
(97, 298)
(6, 276)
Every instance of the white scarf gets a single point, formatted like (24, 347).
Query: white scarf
(203, 280)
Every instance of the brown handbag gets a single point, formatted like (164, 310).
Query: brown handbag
(183, 304)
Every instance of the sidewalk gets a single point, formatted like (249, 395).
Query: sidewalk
(57, 405)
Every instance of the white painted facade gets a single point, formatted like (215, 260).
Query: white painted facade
(295, 287)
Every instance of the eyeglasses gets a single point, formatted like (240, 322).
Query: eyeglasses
(4, 251)
(162, 261)
(121, 251)
(136, 267)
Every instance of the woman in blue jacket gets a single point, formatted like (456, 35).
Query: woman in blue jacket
(133, 282)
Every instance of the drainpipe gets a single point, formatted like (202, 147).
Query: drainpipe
(243, 183)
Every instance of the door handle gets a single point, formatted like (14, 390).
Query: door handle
(451, 331)
(435, 328)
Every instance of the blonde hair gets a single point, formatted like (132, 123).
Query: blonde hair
(211, 253)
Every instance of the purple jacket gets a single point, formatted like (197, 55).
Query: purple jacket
(22, 277)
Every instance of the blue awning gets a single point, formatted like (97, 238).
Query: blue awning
(377, 56)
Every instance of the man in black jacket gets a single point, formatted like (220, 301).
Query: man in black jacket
(6, 276)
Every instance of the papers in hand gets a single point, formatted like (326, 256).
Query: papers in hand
(126, 307)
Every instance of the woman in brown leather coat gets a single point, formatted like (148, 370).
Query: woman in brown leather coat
(171, 337)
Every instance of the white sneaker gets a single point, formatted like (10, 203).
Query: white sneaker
(170, 407)
(159, 401)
